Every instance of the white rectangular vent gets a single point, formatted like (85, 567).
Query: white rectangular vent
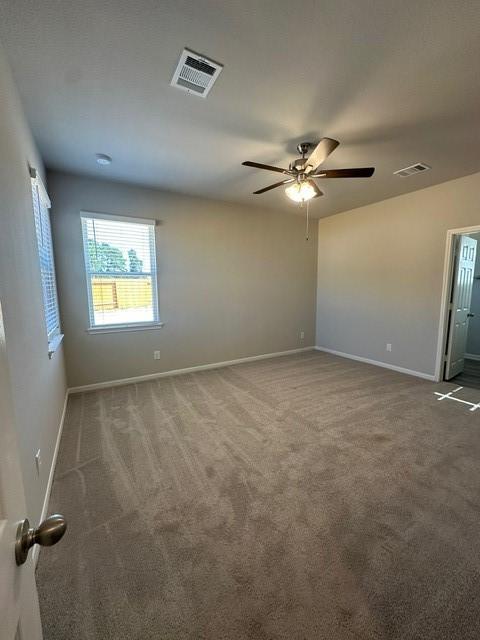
(195, 74)
(414, 168)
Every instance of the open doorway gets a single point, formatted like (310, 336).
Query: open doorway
(460, 362)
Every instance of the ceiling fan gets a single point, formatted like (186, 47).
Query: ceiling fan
(303, 171)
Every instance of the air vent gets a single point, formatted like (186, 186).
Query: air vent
(195, 74)
(414, 168)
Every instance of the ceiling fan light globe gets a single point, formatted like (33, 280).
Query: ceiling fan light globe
(300, 192)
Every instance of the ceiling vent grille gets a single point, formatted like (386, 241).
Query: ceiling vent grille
(195, 74)
(412, 169)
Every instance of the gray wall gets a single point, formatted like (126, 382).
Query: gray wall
(234, 281)
(473, 343)
(38, 383)
(380, 271)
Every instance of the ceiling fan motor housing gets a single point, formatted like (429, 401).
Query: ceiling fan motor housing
(298, 164)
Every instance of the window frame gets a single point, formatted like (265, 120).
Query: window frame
(41, 206)
(153, 274)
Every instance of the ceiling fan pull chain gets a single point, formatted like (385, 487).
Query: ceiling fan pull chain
(306, 230)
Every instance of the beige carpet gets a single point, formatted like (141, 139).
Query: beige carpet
(302, 497)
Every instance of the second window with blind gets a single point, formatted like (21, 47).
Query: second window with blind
(121, 271)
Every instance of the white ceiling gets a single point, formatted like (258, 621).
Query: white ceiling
(395, 82)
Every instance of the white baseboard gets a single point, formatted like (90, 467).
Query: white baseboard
(472, 356)
(51, 474)
(176, 372)
(385, 365)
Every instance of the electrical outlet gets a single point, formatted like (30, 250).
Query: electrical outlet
(38, 462)
(156, 355)
(302, 335)
(389, 346)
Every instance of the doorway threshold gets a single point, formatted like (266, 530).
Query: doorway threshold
(470, 376)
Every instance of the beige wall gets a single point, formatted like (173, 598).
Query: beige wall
(234, 281)
(380, 271)
(38, 383)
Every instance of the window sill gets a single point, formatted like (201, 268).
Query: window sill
(121, 328)
(53, 344)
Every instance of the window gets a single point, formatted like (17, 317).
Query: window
(41, 206)
(121, 271)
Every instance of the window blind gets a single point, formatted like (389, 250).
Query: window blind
(41, 205)
(121, 270)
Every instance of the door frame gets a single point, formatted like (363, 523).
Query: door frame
(448, 266)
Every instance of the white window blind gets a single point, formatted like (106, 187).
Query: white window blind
(41, 206)
(121, 270)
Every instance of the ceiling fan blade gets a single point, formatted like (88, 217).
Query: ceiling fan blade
(273, 186)
(321, 152)
(268, 167)
(317, 190)
(365, 172)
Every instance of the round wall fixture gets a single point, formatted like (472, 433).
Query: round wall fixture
(102, 158)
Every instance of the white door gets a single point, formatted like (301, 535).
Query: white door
(19, 613)
(460, 306)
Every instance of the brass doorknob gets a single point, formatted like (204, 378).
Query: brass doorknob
(49, 532)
